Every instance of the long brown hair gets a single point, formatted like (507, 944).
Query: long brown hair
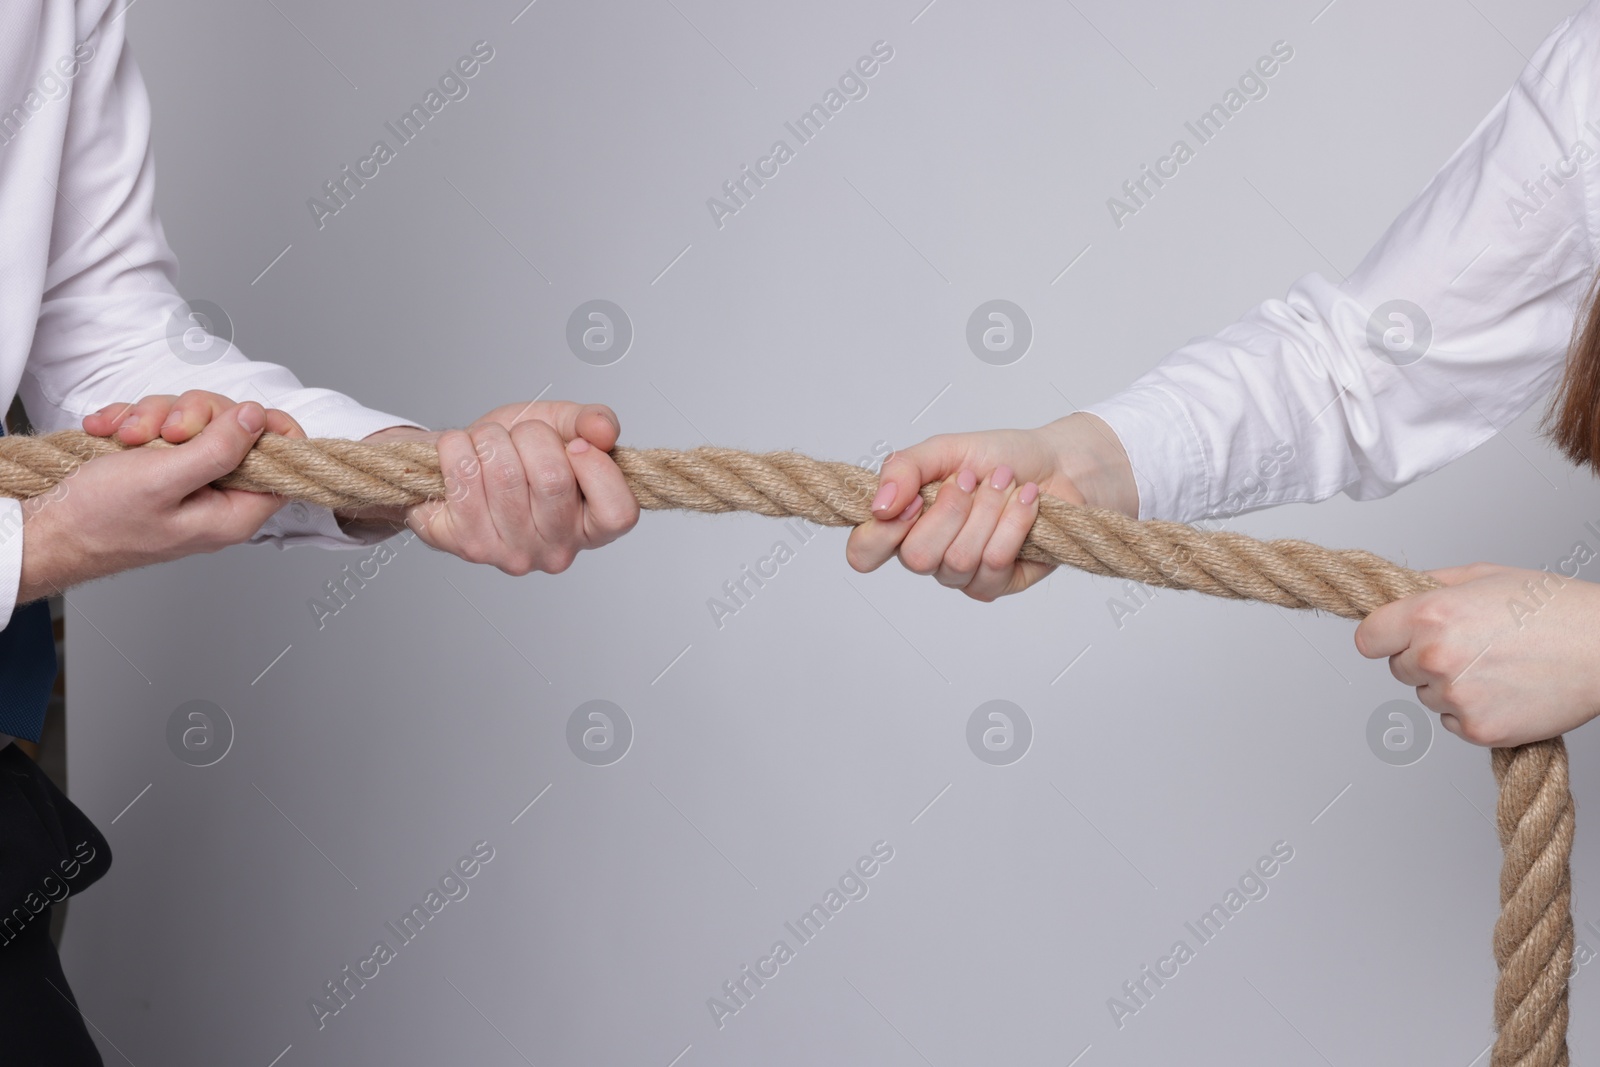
(1573, 421)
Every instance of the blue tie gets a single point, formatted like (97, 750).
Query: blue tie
(27, 668)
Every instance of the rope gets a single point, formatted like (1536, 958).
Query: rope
(1533, 938)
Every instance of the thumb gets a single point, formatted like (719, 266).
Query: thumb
(598, 425)
(211, 453)
(905, 472)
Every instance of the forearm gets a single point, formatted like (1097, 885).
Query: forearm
(53, 561)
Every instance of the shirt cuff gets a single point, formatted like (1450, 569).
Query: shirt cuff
(1164, 449)
(10, 558)
(300, 523)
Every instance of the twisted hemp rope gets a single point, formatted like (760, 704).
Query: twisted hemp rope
(1533, 938)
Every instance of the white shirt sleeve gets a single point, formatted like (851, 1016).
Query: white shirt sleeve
(1454, 324)
(110, 295)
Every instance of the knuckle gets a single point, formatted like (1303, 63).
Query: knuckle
(472, 547)
(998, 558)
(518, 566)
(1478, 731)
(1431, 613)
(610, 526)
(919, 560)
(529, 431)
(551, 479)
(1489, 738)
(961, 561)
(1446, 698)
(486, 442)
(1435, 659)
(504, 476)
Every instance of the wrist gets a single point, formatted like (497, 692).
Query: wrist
(1089, 454)
(403, 433)
(48, 551)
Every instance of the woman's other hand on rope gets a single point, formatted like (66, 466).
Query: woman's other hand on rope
(527, 487)
(1505, 656)
(988, 498)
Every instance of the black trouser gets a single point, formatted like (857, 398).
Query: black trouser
(48, 850)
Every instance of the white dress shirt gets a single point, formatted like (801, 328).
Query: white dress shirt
(1301, 398)
(87, 282)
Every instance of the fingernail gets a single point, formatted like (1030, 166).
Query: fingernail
(129, 421)
(173, 418)
(1002, 477)
(967, 481)
(911, 509)
(577, 446)
(885, 496)
(1029, 494)
(252, 417)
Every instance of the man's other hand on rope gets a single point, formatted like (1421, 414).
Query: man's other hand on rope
(527, 487)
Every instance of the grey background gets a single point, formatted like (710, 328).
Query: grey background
(827, 715)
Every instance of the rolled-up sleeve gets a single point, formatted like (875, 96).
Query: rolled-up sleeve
(1454, 324)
